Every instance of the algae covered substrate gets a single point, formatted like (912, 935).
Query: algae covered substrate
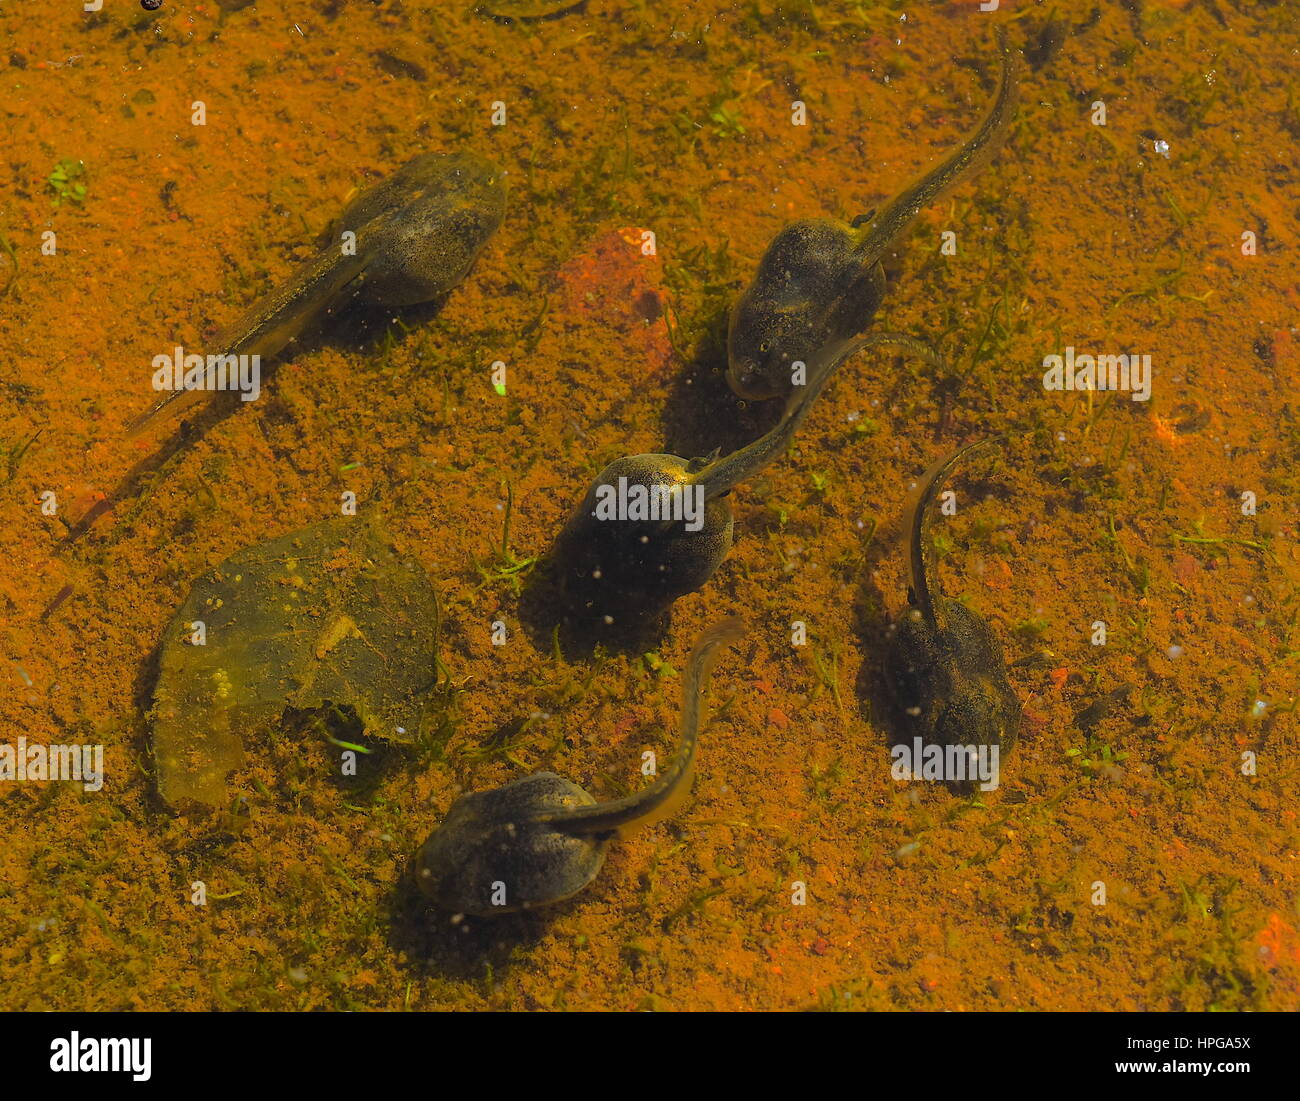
(1110, 292)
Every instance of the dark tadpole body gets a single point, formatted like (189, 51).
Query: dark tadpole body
(539, 840)
(409, 239)
(943, 664)
(654, 527)
(821, 281)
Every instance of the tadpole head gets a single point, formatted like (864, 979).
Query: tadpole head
(810, 294)
(491, 855)
(759, 366)
(423, 227)
(642, 536)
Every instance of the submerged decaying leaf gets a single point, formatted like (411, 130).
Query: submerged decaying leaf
(329, 614)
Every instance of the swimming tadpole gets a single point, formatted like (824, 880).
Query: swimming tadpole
(653, 527)
(541, 839)
(821, 280)
(331, 614)
(944, 665)
(409, 239)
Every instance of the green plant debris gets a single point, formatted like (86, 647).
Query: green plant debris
(1096, 758)
(65, 182)
(1201, 539)
(14, 453)
(726, 121)
(505, 565)
(657, 665)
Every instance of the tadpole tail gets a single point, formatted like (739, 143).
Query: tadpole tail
(662, 797)
(721, 475)
(174, 402)
(270, 324)
(972, 154)
(921, 557)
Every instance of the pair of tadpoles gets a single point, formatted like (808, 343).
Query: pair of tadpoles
(415, 236)
(817, 287)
